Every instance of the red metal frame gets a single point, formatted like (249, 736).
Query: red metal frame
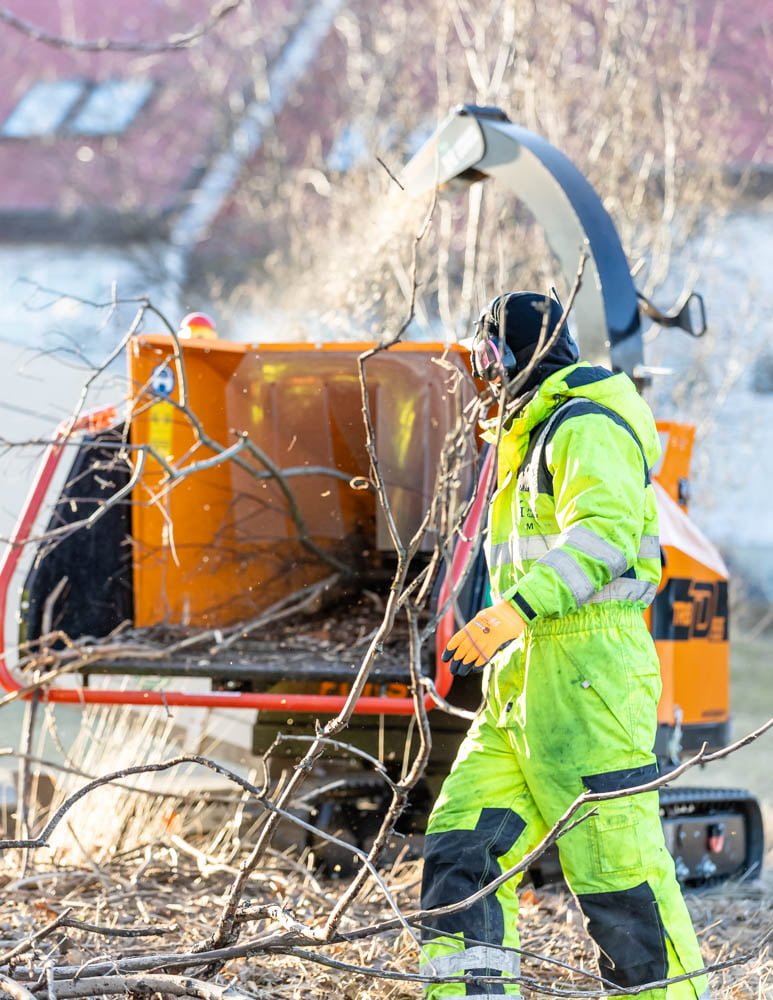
(447, 624)
(268, 701)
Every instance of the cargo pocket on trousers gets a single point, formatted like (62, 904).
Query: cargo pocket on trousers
(614, 837)
(612, 716)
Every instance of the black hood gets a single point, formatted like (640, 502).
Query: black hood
(522, 317)
(564, 352)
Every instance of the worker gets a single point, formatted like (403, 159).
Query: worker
(197, 325)
(571, 678)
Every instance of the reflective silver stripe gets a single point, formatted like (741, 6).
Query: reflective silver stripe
(589, 543)
(571, 573)
(479, 957)
(649, 547)
(533, 546)
(528, 547)
(500, 554)
(625, 589)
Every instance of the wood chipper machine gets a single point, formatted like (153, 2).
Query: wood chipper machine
(218, 543)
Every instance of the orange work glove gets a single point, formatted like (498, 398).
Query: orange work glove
(476, 642)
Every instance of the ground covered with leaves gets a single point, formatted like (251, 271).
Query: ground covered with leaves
(136, 921)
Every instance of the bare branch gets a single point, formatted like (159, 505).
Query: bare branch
(144, 985)
(27, 943)
(177, 41)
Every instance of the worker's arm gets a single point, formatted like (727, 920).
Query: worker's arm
(598, 472)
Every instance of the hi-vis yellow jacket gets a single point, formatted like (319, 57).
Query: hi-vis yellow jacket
(573, 520)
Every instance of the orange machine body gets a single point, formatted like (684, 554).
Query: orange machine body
(217, 543)
(689, 618)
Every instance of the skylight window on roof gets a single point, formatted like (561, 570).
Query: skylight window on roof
(110, 107)
(42, 109)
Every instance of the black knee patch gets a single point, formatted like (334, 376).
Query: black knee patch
(627, 927)
(458, 863)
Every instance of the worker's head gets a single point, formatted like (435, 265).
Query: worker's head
(508, 332)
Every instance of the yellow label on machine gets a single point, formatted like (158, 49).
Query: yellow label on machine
(161, 428)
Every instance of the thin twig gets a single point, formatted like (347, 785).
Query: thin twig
(176, 41)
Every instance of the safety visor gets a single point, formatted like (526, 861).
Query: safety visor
(488, 361)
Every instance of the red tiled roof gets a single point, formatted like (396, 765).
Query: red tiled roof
(148, 168)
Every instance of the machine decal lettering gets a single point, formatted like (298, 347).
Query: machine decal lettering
(691, 609)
